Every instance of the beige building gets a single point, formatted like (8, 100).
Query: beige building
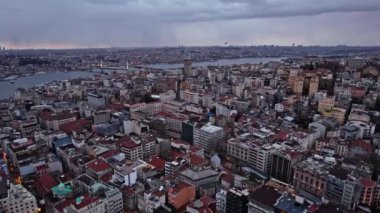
(298, 85)
(326, 104)
(313, 87)
(187, 67)
(335, 112)
(292, 75)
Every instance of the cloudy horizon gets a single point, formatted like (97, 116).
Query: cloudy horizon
(145, 23)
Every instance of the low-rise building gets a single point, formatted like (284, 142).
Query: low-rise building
(15, 198)
(181, 194)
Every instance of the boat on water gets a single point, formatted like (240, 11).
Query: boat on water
(12, 82)
(39, 73)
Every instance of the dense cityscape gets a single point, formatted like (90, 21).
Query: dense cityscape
(296, 130)
(189, 106)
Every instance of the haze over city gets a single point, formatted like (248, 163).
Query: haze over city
(142, 23)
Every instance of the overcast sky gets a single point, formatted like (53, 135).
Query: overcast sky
(134, 23)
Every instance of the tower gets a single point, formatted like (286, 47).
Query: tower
(187, 67)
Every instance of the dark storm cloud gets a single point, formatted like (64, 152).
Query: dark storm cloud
(70, 23)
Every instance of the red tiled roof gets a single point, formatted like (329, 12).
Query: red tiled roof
(85, 202)
(292, 153)
(181, 185)
(197, 160)
(74, 126)
(158, 163)
(175, 155)
(206, 200)
(107, 177)
(362, 144)
(59, 116)
(128, 190)
(313, 208)
(127, 142)
(205, 210)
(368, 183)
(116, 107)
(109, 153)
(282, 135)
(64, 178)
(47, 182)
(195, 148)
(97, 165)
(228, 178)
(42, 167)
(159, 193)
(63, 205)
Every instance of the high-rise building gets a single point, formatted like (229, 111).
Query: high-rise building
(282, 163)
(298, 85)
(237, 201)
(187, 67)
(207, 136)
(313, 87)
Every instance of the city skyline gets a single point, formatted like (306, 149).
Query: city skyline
(131, 23)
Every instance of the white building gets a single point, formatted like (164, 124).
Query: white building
(113, 198)
(207, 136)
(167, 96)
(152, 200)
(279, 107)
(189, 97)
(86, 204)
(221, 201)
(306, 139)
(134, 126)
(249, 149)
(128, 173)
(366, 129)
(18, 199)
(152, 107)
(96, 100)
(207, 100)
(318, 126)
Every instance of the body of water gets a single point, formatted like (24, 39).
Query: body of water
(220, 62)
(7, 89)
